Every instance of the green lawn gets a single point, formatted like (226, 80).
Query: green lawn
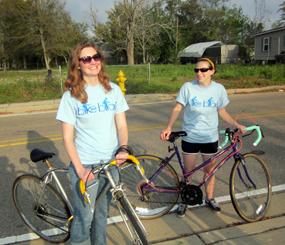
(20, 86)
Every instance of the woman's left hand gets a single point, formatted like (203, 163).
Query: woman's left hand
(240, 127)
(121, 157)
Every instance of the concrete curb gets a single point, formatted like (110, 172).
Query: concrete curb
(30, 106)
(53, 104)
(256, 90)
(131, 99)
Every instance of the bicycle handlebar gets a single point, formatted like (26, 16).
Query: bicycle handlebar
(255, 127)
(130, 157)
(112, 163)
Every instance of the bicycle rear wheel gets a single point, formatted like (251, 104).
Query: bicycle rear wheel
(141, 237)
(42, 208)
(250, 188)
(150, 205)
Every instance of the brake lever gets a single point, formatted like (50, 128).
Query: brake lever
(260, 131)
(248, 133)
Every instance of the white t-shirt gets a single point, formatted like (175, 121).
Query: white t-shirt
(96, 134)
(201, 110)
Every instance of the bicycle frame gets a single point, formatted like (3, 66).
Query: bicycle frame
(234, 153)
(47, 179)
(116, 190)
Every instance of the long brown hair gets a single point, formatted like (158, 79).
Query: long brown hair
(75, 82)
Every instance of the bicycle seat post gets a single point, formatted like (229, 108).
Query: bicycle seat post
(47, 163)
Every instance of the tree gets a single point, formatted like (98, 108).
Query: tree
(2, 40)
(4, 33)
(161, 30)
(151, 23)
(282, 9)
(122, 25)
(277, 24)
(41, 27)
(261, 13)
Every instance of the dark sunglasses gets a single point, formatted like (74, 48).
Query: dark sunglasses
(202, 70)
(87, 59)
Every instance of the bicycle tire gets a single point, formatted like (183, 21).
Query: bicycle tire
(251, 203)
(132, 219)
(151, 205)
(46, 216)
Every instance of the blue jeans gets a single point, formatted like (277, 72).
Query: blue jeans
(87, 227)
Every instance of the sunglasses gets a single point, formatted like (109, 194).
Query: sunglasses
(196, 70)
(88, 59)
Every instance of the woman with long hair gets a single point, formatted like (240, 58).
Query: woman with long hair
(92, 108)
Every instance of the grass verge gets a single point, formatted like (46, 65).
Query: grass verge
(22, 86)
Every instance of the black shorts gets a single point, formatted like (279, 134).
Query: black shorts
(203, 148)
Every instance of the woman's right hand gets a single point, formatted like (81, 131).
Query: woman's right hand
(85, 174)
(165, 134)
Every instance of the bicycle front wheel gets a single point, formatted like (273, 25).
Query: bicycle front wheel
(250, 188)
(157, 200)
(42, 208)
(141, 238)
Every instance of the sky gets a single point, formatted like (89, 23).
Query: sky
(79, 9)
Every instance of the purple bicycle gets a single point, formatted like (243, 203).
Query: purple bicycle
(153, 187)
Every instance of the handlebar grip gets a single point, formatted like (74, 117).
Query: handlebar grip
(133, 159)
(130, 157)
(255, 127)
(226, 139)
(112, 163)
(259, 135)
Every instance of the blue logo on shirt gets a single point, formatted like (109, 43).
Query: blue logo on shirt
(88, 108)
(205, 103)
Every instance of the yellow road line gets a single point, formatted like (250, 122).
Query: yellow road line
(134, 128)
(39, 137)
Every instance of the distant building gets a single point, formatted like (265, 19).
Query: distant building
(269, 46)
(216, 50)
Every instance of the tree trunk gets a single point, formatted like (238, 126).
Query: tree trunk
(143, 50)
(4, 59)
(143, 54)
(25, 62)
(130, 43)
(46, 55)
(130, 53)
(176, 43)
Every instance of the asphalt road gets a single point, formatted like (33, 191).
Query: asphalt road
(24, 132)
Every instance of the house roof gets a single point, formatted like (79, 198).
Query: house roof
(269, 31)
(197, 49)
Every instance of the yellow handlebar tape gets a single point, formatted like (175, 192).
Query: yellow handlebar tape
(112, 163)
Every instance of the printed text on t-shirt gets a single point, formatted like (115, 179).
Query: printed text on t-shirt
(88, 108)
(205, 103)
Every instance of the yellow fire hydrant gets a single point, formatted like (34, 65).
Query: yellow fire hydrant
(121, 79)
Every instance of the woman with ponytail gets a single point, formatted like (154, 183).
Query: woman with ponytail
(203, 101)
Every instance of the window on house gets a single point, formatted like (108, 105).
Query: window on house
(266, 44)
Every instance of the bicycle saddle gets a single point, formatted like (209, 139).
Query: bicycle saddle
(39, 155)
(175, 135)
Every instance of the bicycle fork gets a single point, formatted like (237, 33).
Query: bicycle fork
(117, 194)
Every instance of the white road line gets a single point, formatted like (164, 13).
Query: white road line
(116, 219)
